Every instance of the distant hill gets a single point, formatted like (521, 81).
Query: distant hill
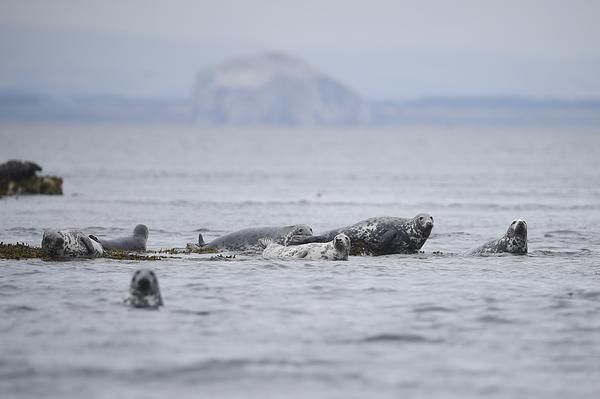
(273, 88)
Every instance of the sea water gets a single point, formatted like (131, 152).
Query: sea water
(436, 324)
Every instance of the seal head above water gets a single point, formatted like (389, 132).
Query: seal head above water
(380, 235)
(135, 242)
(249, 239)
(336, 249)
(70, 244)
(513, 242)
(144, 291)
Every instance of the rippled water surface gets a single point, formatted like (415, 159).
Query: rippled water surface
(427, 325)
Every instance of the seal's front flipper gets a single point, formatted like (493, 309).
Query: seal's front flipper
(302, 254)
(192, 247)
(387, 238)
(264, 242)
(200, 240)
(87, 243)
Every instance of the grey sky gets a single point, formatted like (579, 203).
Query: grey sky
(384, 49)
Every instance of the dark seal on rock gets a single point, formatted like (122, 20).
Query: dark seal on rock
(513, 242)
(144, 291)
(135, 242)
(380, 235)
(249, 239)
(18, 170)
(19, 177)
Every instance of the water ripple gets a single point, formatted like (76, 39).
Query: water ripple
(408, 338)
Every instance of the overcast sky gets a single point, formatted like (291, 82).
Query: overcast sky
(383, 49)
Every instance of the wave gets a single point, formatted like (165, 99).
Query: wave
(18, 309)
(563, 233)
(431, 308)
(206, 369)
(553, 253)
(494, 320)
(408, 338)
(450, 234)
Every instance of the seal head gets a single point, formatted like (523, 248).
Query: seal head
(341, 243)
(299, 230)
(141, 231)
(516, 237)
(423, 224)
(143, 290)
(514, 241)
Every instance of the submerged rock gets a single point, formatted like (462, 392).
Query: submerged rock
(19, 177)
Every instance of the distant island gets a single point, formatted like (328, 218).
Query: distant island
(280, 90)
(273, 88)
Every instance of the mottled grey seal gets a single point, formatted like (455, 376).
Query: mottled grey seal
(70, 244)
(513, 242)
(144, 291)
(380, 235)
(135, 242)
(336, 249)
(248, 239)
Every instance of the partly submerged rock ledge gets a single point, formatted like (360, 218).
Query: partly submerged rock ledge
(19, 177)
(23, 251)
(20, 251)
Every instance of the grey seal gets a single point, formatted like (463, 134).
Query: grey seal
(135, 242)
(380, 235)
(249, 239)
(70, 244)
(513, 242)
(144, 291)
(336, 249)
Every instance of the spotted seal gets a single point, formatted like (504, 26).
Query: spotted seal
(135, 242)
(70, 244)
(249, 239)
(336, 249)
(144, 291)
(380, 235)
(513, 242)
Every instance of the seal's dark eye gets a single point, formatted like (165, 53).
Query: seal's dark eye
(514, 221)
(421, 218)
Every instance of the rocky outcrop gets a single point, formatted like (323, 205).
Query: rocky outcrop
(20, 177)
(273, 89)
